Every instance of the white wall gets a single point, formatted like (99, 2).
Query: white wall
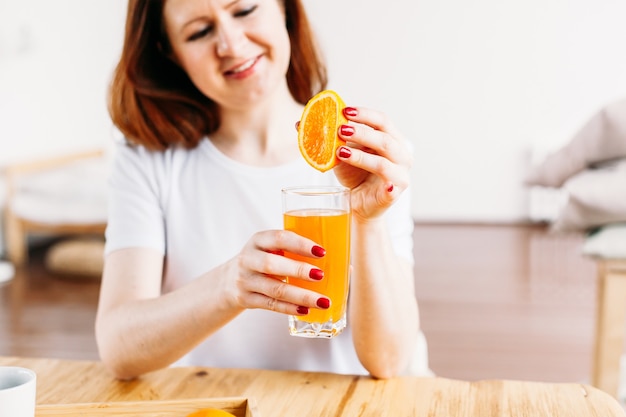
(56, 58)
(472, 84)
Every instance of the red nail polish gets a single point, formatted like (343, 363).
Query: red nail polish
(350, 111)
(345, 152)
(318, 251)
(303, 310)
(316, 274)
(346, 130)
(390, 188)
(323, 303)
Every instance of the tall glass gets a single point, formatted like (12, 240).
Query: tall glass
(322, 214)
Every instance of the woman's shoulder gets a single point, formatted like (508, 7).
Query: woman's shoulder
(128, 152)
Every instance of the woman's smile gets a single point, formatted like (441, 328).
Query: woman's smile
(244, 69)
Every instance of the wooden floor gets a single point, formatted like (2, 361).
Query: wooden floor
(505, 302)
(500, 301)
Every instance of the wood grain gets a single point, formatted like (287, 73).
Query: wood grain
(287, 393)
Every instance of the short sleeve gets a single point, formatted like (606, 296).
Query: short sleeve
(400, 222)
(401, 226)
(135, 216)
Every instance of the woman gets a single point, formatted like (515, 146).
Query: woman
(206, 93)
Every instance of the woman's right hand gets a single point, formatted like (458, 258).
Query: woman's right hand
(262, 268)
(140, 329)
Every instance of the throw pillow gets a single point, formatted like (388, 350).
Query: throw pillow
(595, 197)
(601, 139)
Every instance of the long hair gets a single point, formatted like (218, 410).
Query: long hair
(153, 102)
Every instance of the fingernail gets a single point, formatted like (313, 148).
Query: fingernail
(346, 130)
(318, 251)
(390, 188)
(345, 152)
(298, 125)
(350, 111)
(303, 310)
(316, 274)
(323, 303)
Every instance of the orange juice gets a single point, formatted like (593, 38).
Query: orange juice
(329, 228)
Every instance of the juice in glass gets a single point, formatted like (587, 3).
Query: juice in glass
(324, 217)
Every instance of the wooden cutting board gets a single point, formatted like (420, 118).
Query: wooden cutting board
(240, 407)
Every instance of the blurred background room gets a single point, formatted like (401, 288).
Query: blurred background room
(486, 91)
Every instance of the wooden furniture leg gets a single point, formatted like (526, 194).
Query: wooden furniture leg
(610, 322)
(16, 244)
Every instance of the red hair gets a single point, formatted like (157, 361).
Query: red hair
(153, 102)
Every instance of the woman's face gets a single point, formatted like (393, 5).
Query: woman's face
(234, 51)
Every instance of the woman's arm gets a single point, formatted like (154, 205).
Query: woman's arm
(383, 309)
(138, 329)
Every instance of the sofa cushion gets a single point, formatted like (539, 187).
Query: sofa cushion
(601, 139)
(73, 194)
(595, 197)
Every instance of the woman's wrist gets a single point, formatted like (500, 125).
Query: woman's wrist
(369, 225)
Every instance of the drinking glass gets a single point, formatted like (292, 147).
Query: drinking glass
(322, 214)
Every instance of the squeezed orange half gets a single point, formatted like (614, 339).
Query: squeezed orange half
(318, 137)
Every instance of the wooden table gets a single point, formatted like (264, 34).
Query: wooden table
(282, 393)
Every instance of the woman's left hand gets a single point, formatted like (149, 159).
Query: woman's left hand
(375, 161)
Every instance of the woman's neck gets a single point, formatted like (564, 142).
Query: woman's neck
(263, 135)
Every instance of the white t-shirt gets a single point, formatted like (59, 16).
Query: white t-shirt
(198, 207)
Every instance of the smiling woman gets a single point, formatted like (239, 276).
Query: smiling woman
(207, 93)
(177, 110)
